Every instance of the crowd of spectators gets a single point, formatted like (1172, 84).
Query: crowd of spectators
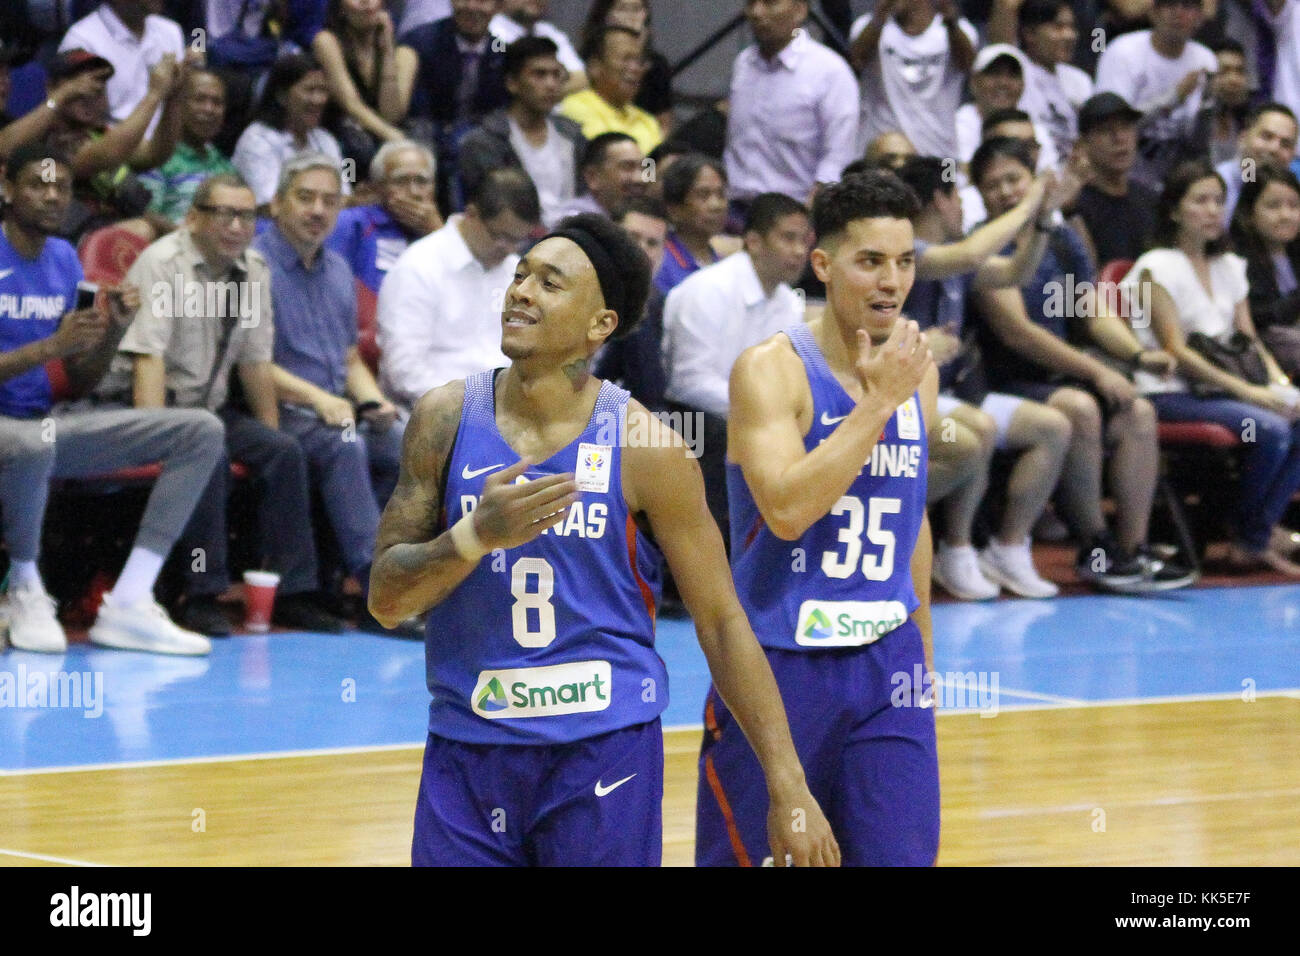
(348, 184)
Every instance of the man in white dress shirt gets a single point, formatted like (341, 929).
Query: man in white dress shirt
(716, 313)
(131, 35)
(439, 307)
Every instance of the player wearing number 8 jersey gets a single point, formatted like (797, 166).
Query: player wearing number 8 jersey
(540, 576)
(831, 548)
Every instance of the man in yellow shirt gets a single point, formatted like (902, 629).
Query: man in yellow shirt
(615, 59)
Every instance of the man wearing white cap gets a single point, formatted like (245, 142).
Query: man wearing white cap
(997, 82)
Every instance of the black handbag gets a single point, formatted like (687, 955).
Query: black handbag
(1238, 355)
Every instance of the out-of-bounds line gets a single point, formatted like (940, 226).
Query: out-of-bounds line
(45, 858)
(1149, 802)
(219, 758)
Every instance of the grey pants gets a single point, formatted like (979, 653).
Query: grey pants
(81, 443)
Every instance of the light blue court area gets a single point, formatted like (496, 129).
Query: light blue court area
(304, 692)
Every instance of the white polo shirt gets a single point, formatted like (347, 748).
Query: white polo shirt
(104, 34)
(439, 315)
(712, 316)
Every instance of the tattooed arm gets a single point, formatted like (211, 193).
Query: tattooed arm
(416, 565)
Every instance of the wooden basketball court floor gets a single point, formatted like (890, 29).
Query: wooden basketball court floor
(1085, 730)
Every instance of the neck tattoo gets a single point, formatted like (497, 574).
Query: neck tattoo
(576, 372)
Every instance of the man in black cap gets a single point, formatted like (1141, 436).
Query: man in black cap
(533, 505)
(1114, 212)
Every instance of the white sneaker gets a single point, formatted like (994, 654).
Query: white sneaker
(1012, 566)
(32, 624)
(143, 626)
(957, 571)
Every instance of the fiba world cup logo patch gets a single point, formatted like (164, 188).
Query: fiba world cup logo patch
(593, 465)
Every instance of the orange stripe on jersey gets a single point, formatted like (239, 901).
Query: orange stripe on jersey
(753, 532)
(646, 594)
(711, 717)
(733, 834)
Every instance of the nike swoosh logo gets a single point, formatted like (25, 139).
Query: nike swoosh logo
(5, 273)
(467, 473)
(601, 791)
(827, 420)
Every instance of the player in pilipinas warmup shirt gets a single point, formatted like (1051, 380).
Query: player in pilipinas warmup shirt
(34, 295)
(549, 645)
(833, 611)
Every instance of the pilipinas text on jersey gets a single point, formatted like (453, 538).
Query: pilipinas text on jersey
(847, 580)
(552, 641)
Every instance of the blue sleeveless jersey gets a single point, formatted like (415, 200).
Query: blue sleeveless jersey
(552, 641)
(848, 580)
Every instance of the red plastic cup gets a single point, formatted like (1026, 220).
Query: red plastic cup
(259, 599)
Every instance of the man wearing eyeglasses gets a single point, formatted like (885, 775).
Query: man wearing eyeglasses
(372, 237)
(440, 305)
(203, 337)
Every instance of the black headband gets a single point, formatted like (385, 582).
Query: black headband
(611, 285)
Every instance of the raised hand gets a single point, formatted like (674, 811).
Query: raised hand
(894, 369)
(79, 331)
(510, 514)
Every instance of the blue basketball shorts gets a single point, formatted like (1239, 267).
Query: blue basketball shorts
(866, 739)
(594, 802)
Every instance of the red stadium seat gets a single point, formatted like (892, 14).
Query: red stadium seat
(1185, 445)
(367, 326)
(107, 253)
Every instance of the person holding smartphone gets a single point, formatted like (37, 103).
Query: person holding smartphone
(46, 318)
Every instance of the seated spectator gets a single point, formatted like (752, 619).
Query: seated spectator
(1114, 213)
(977, 420)
(178, 356)
(723, 309)
(460, 81)
(371, 238)
(793, 115)
(888, 150)
(1266, 231)
(613, 171)
(1269, 137)
(527, 18)
(655, 95)
(913, 56)
(288, 123)
(203, 109)
(527, 133)
(997, 83)
(1161, 72)
(41, 441)
(1194, 285)
(329, 402)
(1012, 124)
(635, 361)
(1054, 89)
(1028, 353)
(662, 157)
(368, 75)
(74, 119)
(440, 304)
(614, 57)
(1226, 103)
(695, 193)
(133, 38)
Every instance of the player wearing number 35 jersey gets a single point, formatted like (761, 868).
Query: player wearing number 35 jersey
(530, 525)
(831, 548)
